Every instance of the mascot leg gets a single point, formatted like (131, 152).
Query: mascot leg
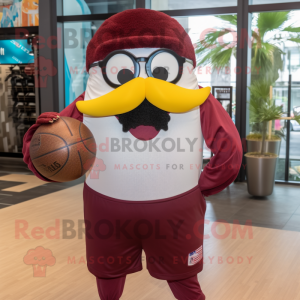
(187, 289)
(110, 289)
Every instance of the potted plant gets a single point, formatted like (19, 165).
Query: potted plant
(261, 165)
(260, 95)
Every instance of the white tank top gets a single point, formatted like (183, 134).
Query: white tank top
(166, 166)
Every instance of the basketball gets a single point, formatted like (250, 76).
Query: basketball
(63, 151)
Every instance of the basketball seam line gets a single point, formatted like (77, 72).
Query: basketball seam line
(49, 153)
(63, 165)
(82, 140)
(67, 126)
(52, 150)
(80, 162)
(53, 135)
(61, 147)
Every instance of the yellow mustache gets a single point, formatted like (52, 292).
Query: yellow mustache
(162, 94)
(173, 98)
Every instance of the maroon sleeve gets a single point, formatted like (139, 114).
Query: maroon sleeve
(69, 111)
(222, 137)
(72, 111)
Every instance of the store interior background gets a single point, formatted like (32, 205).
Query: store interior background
(275, 219)
(19, 96)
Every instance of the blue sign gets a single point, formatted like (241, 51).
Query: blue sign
(15, 52)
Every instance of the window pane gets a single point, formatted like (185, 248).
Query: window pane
(294, 169)
(276, 56)
(76, 38)
(269, 1)
(87, 7)
(188, 4)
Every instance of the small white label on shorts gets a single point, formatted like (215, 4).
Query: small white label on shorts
(195, 257)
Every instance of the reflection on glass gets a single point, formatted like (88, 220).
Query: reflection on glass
(270, 1)
(87, 7)
(188, 4)
(76, 38)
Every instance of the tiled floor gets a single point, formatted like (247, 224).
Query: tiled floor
(13, 165)
(12, 171)
(279, 211)
(11, 198)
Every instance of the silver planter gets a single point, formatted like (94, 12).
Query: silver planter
(261, 175)
(270, 146)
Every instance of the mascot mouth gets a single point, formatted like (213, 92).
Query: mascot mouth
(145, 121)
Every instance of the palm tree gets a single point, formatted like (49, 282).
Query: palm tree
(267, 57)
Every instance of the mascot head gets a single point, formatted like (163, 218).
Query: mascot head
(141, 66)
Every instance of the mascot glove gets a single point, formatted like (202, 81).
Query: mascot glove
(47, 117)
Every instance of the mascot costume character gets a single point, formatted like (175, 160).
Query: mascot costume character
(149, 119)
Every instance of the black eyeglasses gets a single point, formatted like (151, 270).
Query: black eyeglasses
(121, 66)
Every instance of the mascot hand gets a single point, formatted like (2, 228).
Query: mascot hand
(47, 117)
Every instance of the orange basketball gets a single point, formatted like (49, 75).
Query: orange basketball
(63, 151)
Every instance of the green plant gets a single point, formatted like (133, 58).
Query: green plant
(297, 118)
(267, 57)
(263, 110)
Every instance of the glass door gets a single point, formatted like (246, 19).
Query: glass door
(275, 64)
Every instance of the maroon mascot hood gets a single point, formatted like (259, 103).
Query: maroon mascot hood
(139, 28)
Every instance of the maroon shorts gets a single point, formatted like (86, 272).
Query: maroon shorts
(170, 231)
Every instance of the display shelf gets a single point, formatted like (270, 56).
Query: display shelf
(22, 102)
(224, 95)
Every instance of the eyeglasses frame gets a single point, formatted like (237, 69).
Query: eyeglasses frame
(136, 60)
